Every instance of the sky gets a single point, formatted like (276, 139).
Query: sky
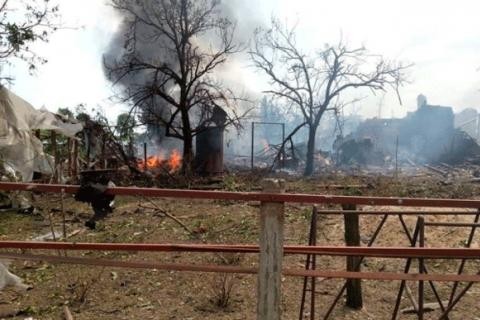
(441, 38)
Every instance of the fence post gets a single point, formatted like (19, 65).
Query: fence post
(352, 238)
(56, 160)
(271, 254)
(421, 266)
(252, 146)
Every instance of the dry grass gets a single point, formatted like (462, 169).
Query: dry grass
(149, 294)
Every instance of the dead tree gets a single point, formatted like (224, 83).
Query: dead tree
(316, 83)
(170, 52)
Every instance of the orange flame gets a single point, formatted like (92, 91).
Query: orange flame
(175, 161)
(154, 161)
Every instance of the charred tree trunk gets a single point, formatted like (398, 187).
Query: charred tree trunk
(187, 162)
(312, 132)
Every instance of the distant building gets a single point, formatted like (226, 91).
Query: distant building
(425, 135)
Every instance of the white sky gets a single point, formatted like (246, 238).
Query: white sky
(442, 39)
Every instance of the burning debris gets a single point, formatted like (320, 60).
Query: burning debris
(160, 162)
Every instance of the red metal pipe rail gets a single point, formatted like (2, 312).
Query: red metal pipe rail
(250, 196)
(385, 276)
(398, 212)
(380, 252)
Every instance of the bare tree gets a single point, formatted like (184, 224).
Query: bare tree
(23, 22)
(316, 83)
(171, 49)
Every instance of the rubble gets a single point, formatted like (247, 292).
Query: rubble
(426, 136)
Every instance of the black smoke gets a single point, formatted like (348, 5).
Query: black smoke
(148, 46)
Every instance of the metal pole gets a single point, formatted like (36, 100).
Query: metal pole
(432, 285)
(314, 265)
(396, 158)
(253, 142)
(283, 149)
(450, 306)
(462, 263)
(254, 196)
(310, 264)
(145, 156)
(421, 263)
(305, 281)
(406, 270)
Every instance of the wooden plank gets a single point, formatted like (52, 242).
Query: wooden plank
(271, 254)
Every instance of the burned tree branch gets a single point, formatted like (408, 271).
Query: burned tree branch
(287, 138)
(315, 84)
(166, 71)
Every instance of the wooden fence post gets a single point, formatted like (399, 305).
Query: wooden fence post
(56, 160)
(269, 294)
(75, 159)
(352, 238)
(69, 156)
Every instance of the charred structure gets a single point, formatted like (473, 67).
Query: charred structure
(209, 144)
(426, 135)
(209, 151)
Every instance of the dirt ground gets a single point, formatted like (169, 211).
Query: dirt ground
(114, 293)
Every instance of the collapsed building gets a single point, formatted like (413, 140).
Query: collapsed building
(426, 135)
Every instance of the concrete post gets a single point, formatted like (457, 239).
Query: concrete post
(269, 292)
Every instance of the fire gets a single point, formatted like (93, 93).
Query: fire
(172, 162)
(154, 162)
(175, 161)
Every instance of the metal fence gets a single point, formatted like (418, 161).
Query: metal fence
(271, 248)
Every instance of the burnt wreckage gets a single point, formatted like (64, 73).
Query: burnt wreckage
(427, 135)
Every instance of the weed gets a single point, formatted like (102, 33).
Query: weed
(80, 289)
(222, 288)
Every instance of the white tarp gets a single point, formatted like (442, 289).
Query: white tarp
(19, 148)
